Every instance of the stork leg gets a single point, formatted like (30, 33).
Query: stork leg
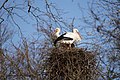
(72, 45)
(69, 46)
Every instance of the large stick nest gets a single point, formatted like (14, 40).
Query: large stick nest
(71, 64)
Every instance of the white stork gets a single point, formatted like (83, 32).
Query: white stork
(69, 37)
(56, 33)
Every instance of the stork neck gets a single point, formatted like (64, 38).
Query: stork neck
(57, 34)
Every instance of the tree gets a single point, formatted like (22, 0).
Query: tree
(5, 34)
(104, 17)
(28, 59)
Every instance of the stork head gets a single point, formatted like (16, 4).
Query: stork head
(76, 31)
(57, 30)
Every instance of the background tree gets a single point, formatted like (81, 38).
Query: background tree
(26, 58)
(105, 20)
(5, 35)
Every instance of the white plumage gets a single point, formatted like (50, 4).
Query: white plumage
(56, 33)
(68, 37)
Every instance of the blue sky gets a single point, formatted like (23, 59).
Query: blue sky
(70, 7)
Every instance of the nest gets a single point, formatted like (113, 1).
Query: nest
(70, 64)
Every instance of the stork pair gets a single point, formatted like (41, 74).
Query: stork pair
(68, 37)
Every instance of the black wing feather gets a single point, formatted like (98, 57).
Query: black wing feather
(62, 38)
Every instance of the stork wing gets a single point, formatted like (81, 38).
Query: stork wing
(62, 37)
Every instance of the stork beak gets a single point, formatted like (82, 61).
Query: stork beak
(79, 35)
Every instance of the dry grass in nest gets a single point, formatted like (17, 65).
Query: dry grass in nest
(70, 64)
